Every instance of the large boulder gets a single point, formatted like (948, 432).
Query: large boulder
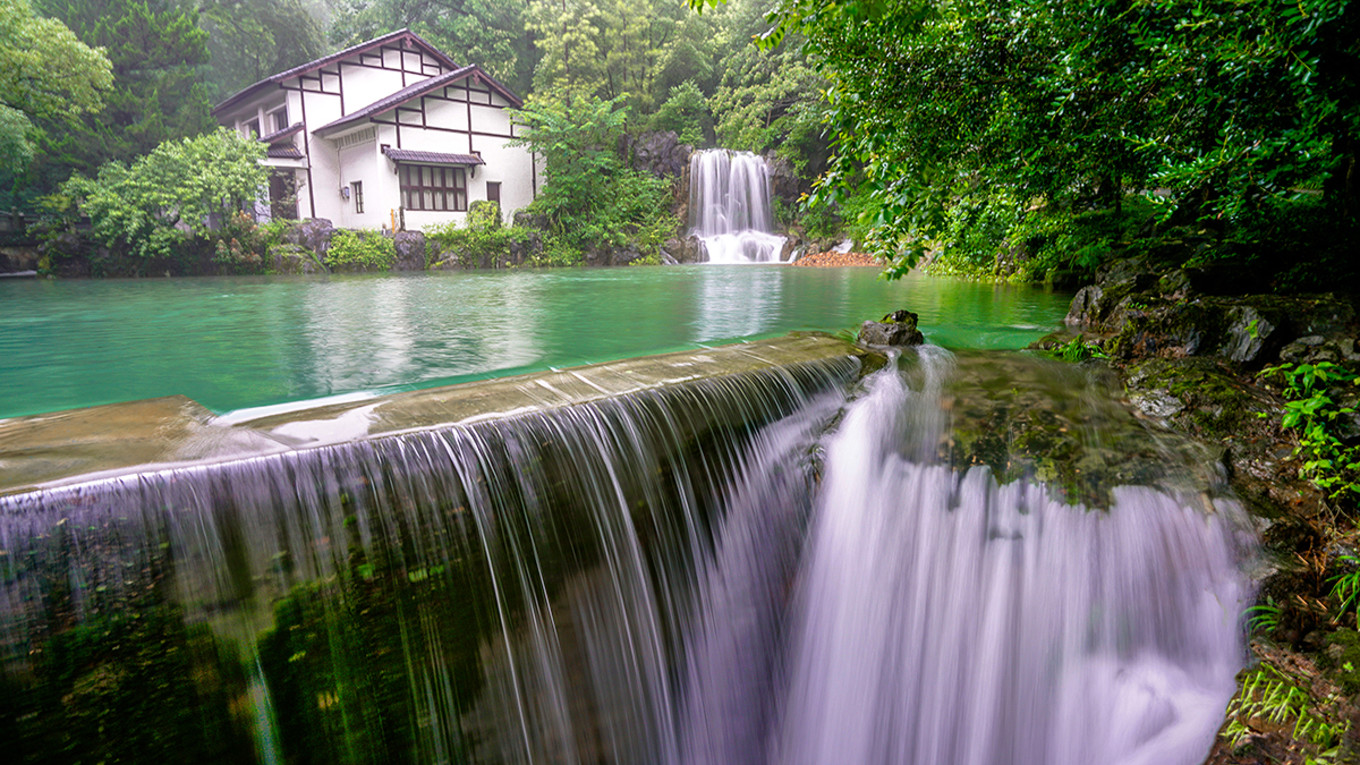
(410, 251)
(659, 153)
(784, 181)
(14, 259)
(314, 234)
(532, 220)
(686, 249)
(293, 259)
(613, 255)
(897, 329)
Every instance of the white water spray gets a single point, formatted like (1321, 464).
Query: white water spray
(939, 618)
(729, 202)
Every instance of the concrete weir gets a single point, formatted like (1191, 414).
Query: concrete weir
(63, 448)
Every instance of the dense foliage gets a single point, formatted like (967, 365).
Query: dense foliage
(591, 196)
(483, 242)
(46, 72)
(360, 251)
(249, 40)
(1024, 114)
(183, 190)
(157, 51)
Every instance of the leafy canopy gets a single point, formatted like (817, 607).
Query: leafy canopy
(178, 192)
(591, 195)
(45, 73)
(1218, 110)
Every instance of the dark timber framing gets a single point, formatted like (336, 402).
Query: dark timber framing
(401, 40)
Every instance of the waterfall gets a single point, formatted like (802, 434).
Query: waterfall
(770, 567)
(730, 212)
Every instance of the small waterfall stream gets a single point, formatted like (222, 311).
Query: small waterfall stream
(765, 568)
(730, 209)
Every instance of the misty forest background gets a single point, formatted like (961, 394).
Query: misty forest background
(671, 68)
(1027, 139)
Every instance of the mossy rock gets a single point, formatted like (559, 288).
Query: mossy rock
(1341, 659)
(1025, 417)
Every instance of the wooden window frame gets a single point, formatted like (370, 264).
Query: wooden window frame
(358, 188)
(434, 188)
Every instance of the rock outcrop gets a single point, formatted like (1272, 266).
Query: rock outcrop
(896, 329)
(411, 250)
(314, 234)
(686, 249)
(659, 153)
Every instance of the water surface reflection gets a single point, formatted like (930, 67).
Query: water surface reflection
(231, 343)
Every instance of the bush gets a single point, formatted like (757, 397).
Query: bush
(484, 215)
(592, 198)
(185, 190)
(240, 244)
(685, 112)
(484, 243)
(361, 251)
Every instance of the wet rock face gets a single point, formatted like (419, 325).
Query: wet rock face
(609, 255)
(410, 247)
(1137, 313)
(896, 329)
(660, 154)
(683, 250)
(314, 234)
(1028, 418)
(784, 181)
(293, 259)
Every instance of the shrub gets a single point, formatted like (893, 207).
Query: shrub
(183, 190)
(361, 251)
(484, 243)
(592, 198)
(685, 112)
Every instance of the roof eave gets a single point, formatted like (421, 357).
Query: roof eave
(404, 33)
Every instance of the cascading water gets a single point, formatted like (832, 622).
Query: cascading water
(701, 575)
(730, 211)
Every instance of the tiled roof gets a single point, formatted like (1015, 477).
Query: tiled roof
(311, 66)
(431, 157)
(279, 135)
(283, 152)
(415, 91)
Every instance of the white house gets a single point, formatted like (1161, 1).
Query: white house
(390, 131)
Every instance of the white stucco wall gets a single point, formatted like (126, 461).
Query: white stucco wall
(444, 127)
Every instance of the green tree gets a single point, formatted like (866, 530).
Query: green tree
(157, 94)
(591, 196)
(686, 112)
(46, 73)
(493, 34)
(767, 99)
(1025, 111)
(183, 190)
(570, 66)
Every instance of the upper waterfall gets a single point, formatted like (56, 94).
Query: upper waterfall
(730, 211)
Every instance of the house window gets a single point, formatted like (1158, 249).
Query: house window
(430, 187)
(280, 118)
(252, 129)
(493, 192)
(358, 187)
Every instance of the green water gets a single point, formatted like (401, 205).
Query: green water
(234, 343)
